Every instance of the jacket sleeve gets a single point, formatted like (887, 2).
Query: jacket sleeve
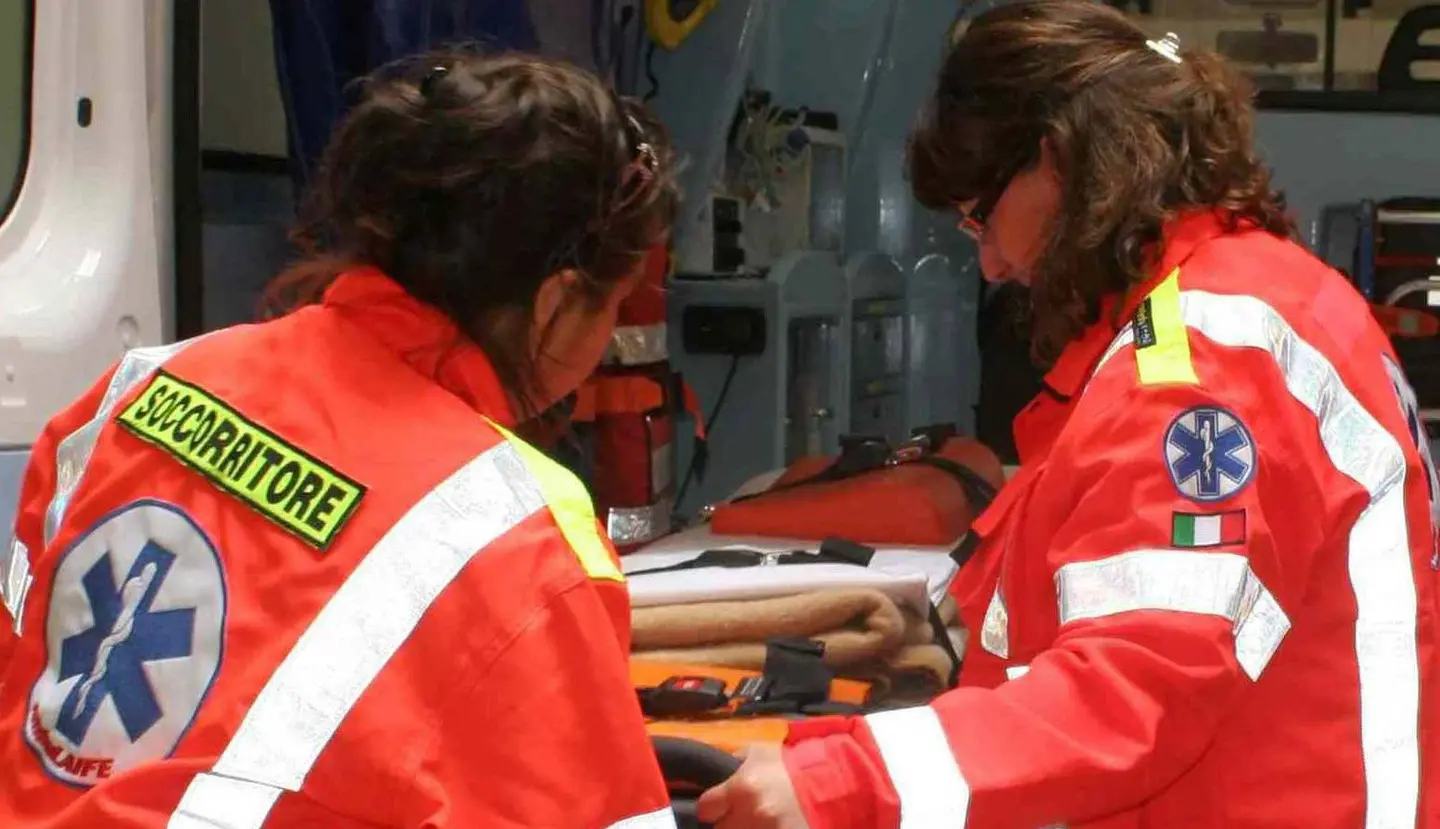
(1168, 607)
(556, 717)
(26, 542)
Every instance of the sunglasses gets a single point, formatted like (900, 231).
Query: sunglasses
(972, 222)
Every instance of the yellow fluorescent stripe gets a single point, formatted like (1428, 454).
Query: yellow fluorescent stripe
(572, 508)
(1167, 360)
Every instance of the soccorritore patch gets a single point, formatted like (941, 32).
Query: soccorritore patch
(275, 478)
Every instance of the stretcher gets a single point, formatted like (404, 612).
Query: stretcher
(696, 747)
(735, 634)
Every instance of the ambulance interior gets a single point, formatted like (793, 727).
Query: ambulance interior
(146, 184)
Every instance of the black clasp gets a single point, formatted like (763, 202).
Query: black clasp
(860, 453)
(924, 440)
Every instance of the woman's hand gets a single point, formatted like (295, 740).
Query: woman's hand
(759, 796)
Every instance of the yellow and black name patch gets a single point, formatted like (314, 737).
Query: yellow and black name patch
(276, 478)
(1144, 325)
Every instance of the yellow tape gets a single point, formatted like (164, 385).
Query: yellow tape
(275, 478)
(572, 508)
(1162, 345)
(665, 29)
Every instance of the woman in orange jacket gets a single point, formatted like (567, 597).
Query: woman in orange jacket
(303, 573)
(1208, 598)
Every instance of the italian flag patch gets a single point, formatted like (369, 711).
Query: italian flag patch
(1210, 530)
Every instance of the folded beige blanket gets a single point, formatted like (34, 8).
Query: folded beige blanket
(865, 633)
(917, 673)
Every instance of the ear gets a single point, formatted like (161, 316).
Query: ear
(554, 294)
(1049, 161)
(1047, 154)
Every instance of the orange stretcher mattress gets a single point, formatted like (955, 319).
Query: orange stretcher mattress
(922, 505)
(720, 730)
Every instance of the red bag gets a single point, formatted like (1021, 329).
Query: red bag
(909, 496)
(631, 414)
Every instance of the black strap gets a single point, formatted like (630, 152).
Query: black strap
(797, 671)
(709, 558)
(965, 550)
(942, 638)
(843, 550)
(832, 551)
(978, 490)
(797, 682)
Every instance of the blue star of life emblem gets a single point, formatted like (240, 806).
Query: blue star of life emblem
(128, 632)
(1209, 453)
(135, 631)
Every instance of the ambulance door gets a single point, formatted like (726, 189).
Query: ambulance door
(86, 232)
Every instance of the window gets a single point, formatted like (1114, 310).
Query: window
(1321, 54)
(14, 97)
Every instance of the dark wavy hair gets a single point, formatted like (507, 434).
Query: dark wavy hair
(1136, 138)
(470, 179)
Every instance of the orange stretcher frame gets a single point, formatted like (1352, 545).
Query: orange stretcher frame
(729, 734)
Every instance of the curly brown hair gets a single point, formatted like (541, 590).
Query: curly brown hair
(470, 179)
(1136, 138)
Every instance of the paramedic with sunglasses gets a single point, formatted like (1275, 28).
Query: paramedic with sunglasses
(303, 573)
(1208, 599)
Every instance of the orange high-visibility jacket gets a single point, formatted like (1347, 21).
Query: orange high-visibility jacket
(298, 574)
(1208, 599)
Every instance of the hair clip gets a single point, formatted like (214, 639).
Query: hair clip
(644, 151)
(1167, 47)
(427, 83)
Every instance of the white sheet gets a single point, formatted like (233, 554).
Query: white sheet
(915, 576)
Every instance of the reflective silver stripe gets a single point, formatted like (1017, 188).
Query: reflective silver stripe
(635, 345)
(1183, 581)
(1260, 631)
(995, 630)
(214, 802)
(360, 628)
(917, 756)
(15, 581)
(246, 805)
(73, 452)
(658, 819)
(1124, 338)
(1016, 671)
(638, 525)
(1386, 651)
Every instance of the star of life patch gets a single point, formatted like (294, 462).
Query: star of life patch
(134, 636)
(1209, 453)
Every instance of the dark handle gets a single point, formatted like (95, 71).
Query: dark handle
(695, 764)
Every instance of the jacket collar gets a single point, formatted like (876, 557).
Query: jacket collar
(1181, 236)
(421, 336)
